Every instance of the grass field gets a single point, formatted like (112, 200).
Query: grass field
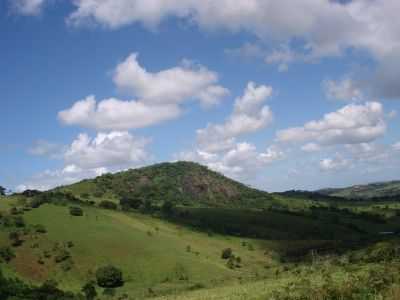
(152, 253)
(179, 257)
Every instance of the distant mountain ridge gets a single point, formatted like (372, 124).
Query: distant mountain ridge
(389, 189)
(185, 183)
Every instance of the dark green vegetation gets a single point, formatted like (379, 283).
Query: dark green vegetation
(183, 183)
(370, 191)
(180, 231)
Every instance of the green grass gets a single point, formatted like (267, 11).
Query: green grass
(152, 253)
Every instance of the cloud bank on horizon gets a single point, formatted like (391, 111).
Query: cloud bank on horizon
(250, 134)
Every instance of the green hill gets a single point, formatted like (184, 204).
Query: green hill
(390, 189)
(181, 231)
(184, 183)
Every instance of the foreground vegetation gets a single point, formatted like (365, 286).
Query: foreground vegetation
(128, 242)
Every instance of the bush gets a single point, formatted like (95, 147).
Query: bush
(6, 254)
(109, 277)
(61, 256)
(226, 253)
(127, 203)
(19, 221)
(15, 239)
(39, 228)
(75, 211)
(108, 204)
(89, 290)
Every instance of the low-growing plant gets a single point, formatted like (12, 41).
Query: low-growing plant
(75, 211)
(226, 253)
(6, 254)
(109, 277)
(108, 205)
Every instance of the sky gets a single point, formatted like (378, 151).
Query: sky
(277, 94)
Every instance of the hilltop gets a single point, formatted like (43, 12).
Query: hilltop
(390, 189)
(182, 183)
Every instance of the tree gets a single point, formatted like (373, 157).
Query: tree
(2, 191)
(109, 277)
(89, 290)
(168, 208)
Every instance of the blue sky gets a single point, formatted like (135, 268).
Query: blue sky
(277, 94)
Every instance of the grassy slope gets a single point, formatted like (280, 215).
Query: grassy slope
(148, 261)
(383, 189)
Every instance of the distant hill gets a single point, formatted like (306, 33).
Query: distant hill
(390, 189)
(184, 183)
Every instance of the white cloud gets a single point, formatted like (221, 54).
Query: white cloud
(88, 157)
(175, 85)
(52, 178)
(160, 95)
(346, 90)
(241, 161)
(396, 146)
(249, 115)
(217, 146)
(311, 147)
(114, 149)
(352, 124)
(114, 114)
(334, 164)
(27, 7)
(328, 27)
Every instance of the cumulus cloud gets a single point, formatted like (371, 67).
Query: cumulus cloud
(160, 96)
(175, 85)
(217, 145)
(334, 164)
(249, 115)
(27, 7)
(345, 89)
(241, 161)
(114, 149)
(396, 146)
(328, 27)
(115, 114)
(352, 124)
(89, 157)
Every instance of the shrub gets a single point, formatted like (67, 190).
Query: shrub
(89, 290)
(61, 256)
(15, 239)
(127, 203)
(67, 265)
(14, 211)
(19, 221)
(39, 228)
(75, 211)
(6, 254)
(109, 277)
(108, 204)
(231, 262)
(226, 253)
